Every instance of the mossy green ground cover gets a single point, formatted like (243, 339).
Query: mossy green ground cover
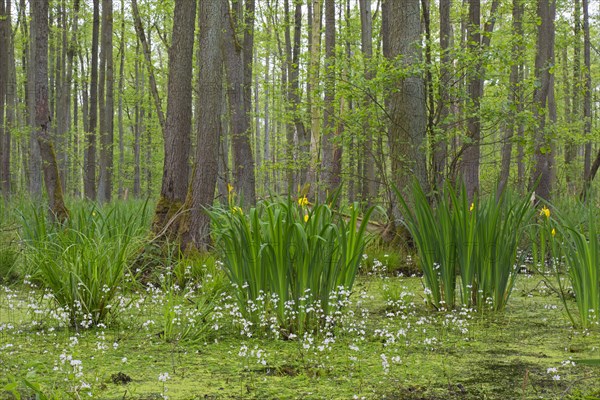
(384, 343)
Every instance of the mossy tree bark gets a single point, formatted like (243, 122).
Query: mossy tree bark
(178, 122)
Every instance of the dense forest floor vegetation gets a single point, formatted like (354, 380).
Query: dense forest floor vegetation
(173, 328)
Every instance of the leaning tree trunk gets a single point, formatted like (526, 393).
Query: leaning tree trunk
(178, 123)
(58, 210)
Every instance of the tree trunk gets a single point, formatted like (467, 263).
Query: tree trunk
(139, 92)
(90, 167)
(440, 142)
(107, 108)
(407, 109)
(543, 171)
(210, 84)
(587, 93)
(369, 184)
(571, 169)
(4, 133)
(139, 28)
(514, 98)
(313, 92)
(121, 176)
(243, 162)
(178, 124)
(330, 179)
(58, 210)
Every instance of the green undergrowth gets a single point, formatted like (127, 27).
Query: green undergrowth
(385, 343)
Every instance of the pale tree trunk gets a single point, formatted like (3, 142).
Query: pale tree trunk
(543, 170)
(139, 91)
(71, 65)
(235, 65)
(301, 131)
(406, 99)
(107, 105)
(35, 157)
(63, 93)
(589, 170)
(571, 169)
(330, 151)
(515, 98)
(587, 93)
(58, 211)
(313, 92)
(286, 67)
(440, 139)
(4, 133)
(369, 184)
(89, 181)
(178, 124)
(121, 176)
(11, 103)
(210, 85)
(139, 28)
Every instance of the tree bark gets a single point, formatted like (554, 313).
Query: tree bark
(369, 184)
(107, 108)
(407, 108)
(330, 156)
(440, 139)
(58, 211)
(515, 99)
(543, 171)
(178, 124)
(210, 85)
(121, 176)
(139, 28)
(571, 169)
(587, 93)
(4, 133)
(243, 161)
(90, 167)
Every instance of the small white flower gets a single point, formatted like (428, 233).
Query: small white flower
(556, 377)
(163, 377)
(124, 360)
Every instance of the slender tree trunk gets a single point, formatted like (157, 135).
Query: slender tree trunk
(58, 210)
(440, 139)
(514, 97)
(178, 124)
(121, 176)
(543, 171)
(35, 157)
(243, 161)
(139, 91)
(369, 184)
(313, 93)
(139, 28)
(108, 105)
(4, 133)
(330, 180)
(571, 169)
(90, 167)
(587, 93)
(210, 84)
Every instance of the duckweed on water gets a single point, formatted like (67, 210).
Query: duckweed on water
(381, 342)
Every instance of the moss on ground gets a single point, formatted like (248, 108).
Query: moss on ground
(388, 345)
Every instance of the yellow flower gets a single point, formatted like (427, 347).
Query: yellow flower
(472, 207)
(553, 232)
(238, 210)
(229, 188)
(545, 211)
(305, 217)
(303, 201)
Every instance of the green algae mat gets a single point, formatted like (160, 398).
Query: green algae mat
(382, 342)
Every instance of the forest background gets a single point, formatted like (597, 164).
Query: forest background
(107, 100)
